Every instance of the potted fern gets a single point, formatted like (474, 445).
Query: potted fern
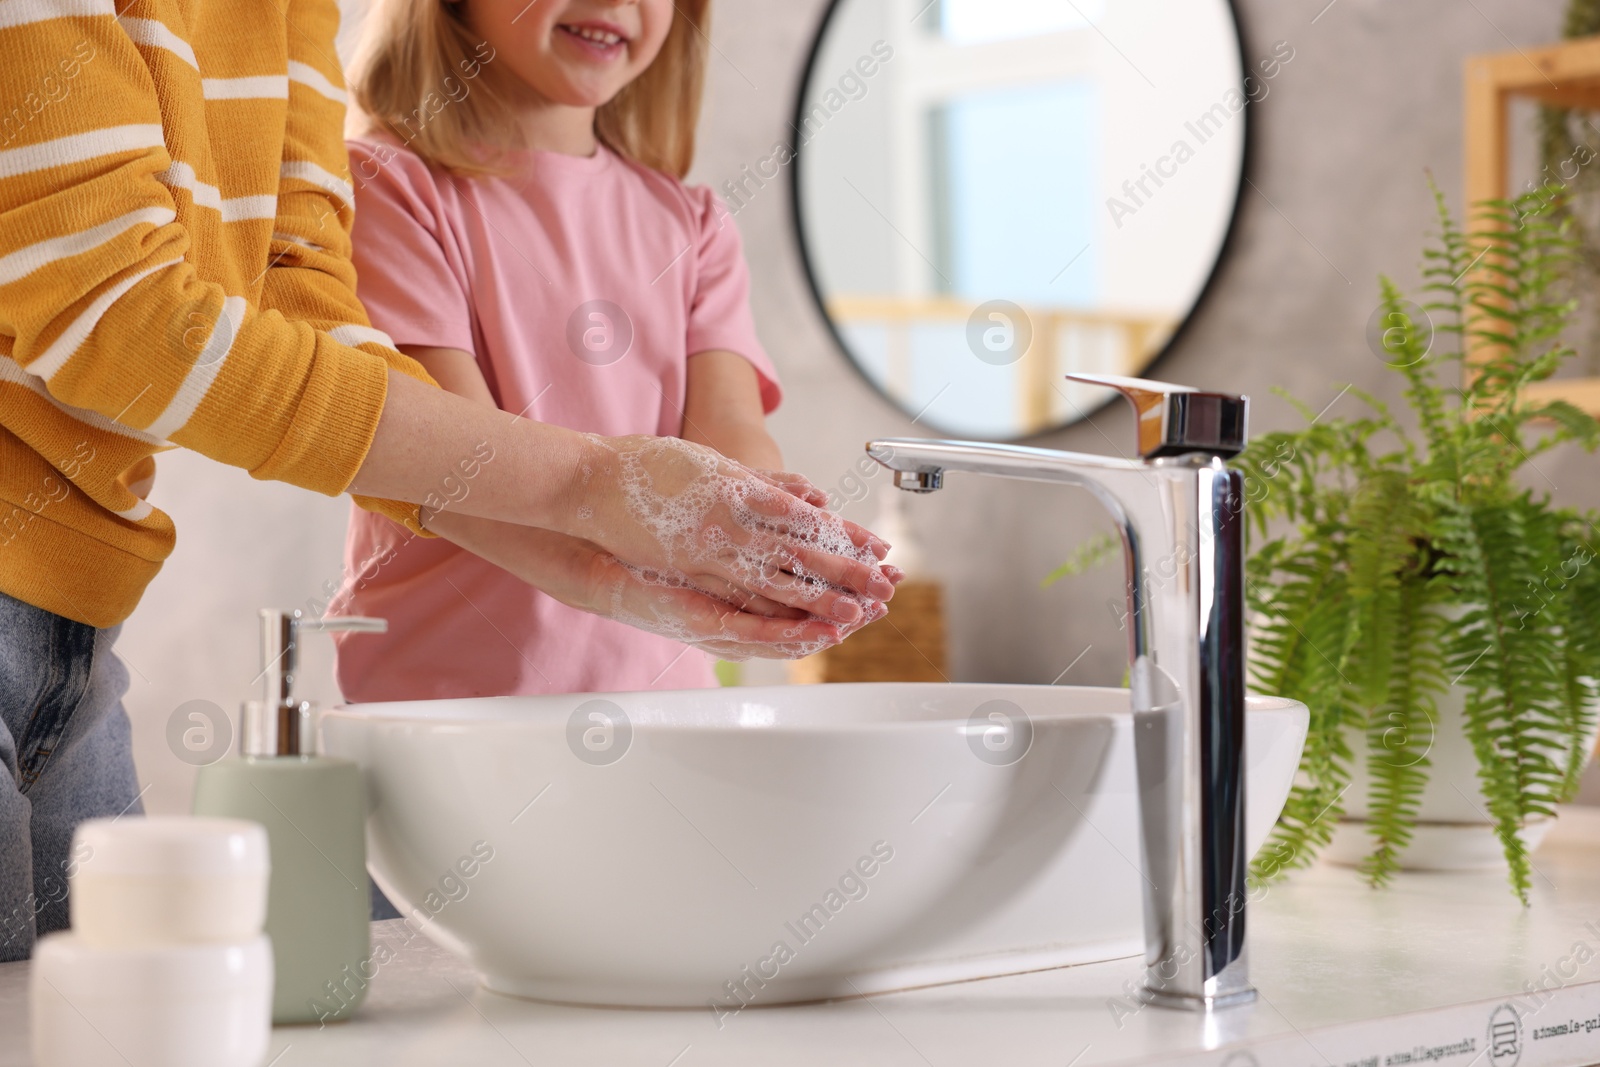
(1412, 581)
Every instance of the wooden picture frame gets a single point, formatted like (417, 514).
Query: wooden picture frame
(1562, 75)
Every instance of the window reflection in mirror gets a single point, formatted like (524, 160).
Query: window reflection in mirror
(994, 193)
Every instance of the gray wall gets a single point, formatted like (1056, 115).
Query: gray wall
(1371, 100)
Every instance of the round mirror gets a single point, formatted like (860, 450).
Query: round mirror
(992, 194)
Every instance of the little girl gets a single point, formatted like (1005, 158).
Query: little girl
(523, 232)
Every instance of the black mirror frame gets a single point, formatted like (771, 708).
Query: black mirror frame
(797, 220)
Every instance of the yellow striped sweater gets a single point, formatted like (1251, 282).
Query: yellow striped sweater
(175, 210)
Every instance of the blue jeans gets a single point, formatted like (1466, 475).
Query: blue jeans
(67, 751)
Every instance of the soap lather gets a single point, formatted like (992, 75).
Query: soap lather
(314, 811)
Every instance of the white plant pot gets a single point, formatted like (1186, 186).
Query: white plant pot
(1454, 831)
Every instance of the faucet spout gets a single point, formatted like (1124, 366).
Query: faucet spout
(1180, 514)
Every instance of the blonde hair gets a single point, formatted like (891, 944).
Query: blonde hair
(423, 76)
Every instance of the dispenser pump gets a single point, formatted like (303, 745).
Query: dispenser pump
(280, 724)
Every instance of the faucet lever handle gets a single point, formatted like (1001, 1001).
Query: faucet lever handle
(355, 624)
(280, 652)
(1175, 420)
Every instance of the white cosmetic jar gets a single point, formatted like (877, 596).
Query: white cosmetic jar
(172, 1006)
(164, 880)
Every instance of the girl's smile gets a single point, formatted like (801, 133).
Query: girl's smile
(576, 54)
(601, 40)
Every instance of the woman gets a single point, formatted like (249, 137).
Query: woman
(175, 267)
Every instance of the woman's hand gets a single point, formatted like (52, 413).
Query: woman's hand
(685, 517)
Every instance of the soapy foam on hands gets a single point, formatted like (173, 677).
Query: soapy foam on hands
(690, 535)
(681, 518)
(724, 643)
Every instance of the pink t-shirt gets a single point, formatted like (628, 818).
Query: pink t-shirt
(582, 286)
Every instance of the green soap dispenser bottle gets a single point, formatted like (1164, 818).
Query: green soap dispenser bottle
(314, 809)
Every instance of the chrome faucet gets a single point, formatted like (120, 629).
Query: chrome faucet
(1180, 512)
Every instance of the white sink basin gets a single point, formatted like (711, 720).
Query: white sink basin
(763, 845)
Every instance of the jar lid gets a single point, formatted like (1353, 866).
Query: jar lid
(173, 846)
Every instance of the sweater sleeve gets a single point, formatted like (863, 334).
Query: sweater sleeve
(311, 275)
(100, 305)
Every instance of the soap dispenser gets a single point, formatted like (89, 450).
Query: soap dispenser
(314, 811)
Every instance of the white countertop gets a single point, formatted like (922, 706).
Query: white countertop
(1348, 976)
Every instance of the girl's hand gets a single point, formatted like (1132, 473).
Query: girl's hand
(686, 517)
(762, 629)
(799, 485)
